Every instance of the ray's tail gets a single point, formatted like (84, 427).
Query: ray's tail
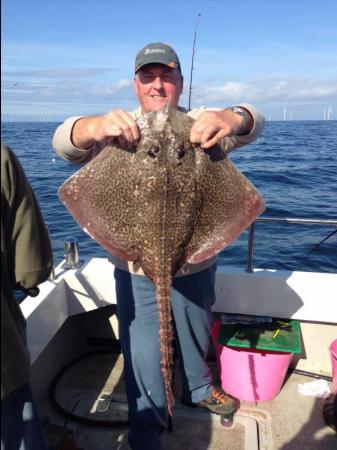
(166, 337)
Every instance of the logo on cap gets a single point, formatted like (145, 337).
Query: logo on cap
(149, 51)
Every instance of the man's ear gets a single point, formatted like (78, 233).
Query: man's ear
(182, 84)
(135, 85)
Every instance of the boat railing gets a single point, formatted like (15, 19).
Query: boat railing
(291, 220)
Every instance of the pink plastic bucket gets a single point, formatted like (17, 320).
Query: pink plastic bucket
(333, 352)
(249, 374)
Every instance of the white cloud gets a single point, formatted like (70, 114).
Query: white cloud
(72, 90)
(58, 73)
(264, 90)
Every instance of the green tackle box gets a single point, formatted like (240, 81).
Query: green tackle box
(280, 335)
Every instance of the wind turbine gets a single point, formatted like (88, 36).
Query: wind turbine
(329, 112)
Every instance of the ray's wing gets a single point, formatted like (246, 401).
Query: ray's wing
(99, 201)
(230, 203)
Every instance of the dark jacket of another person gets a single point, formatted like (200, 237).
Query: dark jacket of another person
(26, 261)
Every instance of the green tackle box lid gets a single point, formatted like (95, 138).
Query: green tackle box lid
(280, 337)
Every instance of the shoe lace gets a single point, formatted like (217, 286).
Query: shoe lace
(220, 396)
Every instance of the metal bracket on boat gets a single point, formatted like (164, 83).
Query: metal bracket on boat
(72, 259)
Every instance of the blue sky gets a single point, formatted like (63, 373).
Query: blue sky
(68, 57)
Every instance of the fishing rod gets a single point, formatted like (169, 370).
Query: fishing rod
(192, 64)
(320, 243)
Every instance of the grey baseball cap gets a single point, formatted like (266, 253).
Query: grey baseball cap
(157, 53)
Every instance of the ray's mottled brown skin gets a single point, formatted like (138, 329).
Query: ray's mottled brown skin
(163, 203)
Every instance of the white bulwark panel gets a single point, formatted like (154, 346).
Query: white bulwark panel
(308, 296)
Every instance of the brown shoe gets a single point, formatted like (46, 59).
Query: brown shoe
(220, 403)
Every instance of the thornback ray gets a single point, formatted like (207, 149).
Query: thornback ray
(163, 203)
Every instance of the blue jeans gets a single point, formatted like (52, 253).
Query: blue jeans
(21, 428)
(138, 317)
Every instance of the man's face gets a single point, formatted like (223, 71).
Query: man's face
(156, 86)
